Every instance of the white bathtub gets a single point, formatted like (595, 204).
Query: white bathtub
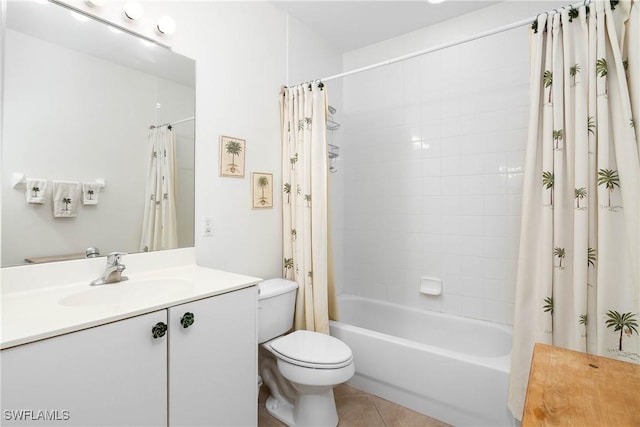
(448, 367)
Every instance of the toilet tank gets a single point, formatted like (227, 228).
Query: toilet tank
(276, 304)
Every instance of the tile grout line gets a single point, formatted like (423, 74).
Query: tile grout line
(378, 410)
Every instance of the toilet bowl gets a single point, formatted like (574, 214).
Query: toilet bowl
(301, 368)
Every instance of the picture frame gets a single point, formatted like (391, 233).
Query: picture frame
(261, 190)
(232, 155)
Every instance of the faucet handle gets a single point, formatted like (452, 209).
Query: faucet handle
(114, 258)
(92, 252)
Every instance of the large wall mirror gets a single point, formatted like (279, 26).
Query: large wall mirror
(79, 99)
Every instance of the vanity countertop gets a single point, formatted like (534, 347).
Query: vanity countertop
(37, 313)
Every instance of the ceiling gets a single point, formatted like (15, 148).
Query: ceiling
(351, 24)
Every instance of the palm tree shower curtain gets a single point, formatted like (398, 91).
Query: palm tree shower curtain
(159, 223)
(305, 228)
(578, 280)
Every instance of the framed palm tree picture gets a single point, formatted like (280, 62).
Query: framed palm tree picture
(261, 190)
(232, 156)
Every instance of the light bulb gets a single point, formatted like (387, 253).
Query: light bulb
(166, 25)
(133, 10)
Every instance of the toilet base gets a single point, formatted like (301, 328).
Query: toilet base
(317, 410)
(301, 396)
(282, 411)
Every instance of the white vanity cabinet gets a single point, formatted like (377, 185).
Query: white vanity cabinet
(118, 374)
(112, 375)
(213, 362)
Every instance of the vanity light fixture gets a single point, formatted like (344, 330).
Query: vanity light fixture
(147, 43)
(79, 17)
(95, 3)
(166, 25)
(133, 10)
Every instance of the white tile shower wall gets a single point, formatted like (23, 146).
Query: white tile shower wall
(433, 168)
(336, 187)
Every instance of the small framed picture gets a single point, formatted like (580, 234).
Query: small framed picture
(261, 190)
(232, 156)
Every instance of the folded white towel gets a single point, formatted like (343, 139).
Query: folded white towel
(65, 198)
(90, 191)
(36, 190)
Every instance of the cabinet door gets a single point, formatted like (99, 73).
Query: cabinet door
(213, 362)
(110, 375)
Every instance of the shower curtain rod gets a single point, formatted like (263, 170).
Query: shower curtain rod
(177, 122)
(477, 36)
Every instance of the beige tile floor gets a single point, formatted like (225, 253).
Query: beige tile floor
(359, 409)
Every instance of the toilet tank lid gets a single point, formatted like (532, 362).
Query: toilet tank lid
(274, 287)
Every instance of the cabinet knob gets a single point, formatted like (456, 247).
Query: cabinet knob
(159, 329)
(187, 319)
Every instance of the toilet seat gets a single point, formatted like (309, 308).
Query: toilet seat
(312, 350)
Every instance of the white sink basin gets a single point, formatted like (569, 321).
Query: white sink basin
(128, 292)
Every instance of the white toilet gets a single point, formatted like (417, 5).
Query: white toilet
(301, 368)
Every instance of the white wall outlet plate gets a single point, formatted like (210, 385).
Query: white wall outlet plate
(207, 226)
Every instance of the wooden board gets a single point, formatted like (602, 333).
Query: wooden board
(569, 388)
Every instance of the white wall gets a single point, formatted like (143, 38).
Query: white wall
(433, 164)
(240, 50)
(65, 92)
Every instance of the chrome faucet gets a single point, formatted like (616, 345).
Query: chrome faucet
(113, 271)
